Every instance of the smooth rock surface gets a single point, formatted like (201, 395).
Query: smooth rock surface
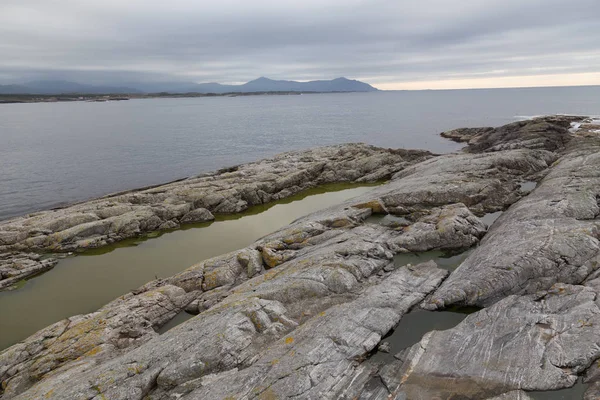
(298, 313)
(552, 235)
(535, 343)
(259, 311)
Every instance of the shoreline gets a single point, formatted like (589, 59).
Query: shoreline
(85, 281)
(132, 213)
(105, 97)
(302, 311)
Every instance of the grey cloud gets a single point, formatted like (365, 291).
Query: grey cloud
(234, 41)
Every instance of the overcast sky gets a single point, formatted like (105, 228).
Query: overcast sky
(392, 44)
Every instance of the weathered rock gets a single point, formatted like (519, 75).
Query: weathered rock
(124, 215)
(319, 359)
(126, 322)
(298, 313)
(482, 182)
(465, 135)
(16, 266)
(197, 215)
(329, 256)
(592, 392)
(447, 228)
(192, 200)
(314, 360)
(384, 347)
(333, 238)
(536, 342)
(550, 236)
(547, 133)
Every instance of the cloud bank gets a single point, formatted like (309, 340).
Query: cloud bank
(391, 44)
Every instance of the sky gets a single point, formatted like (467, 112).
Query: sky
(391, 44)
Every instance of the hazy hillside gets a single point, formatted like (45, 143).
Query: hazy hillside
(258, 85)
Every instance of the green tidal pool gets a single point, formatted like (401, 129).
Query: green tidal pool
(84, 283)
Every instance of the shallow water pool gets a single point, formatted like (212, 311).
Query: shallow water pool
(84, 283)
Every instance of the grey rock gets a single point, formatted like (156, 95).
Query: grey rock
(548, 133)
(16, 266)
(126, 322)
(550, 236)
(536, 342)
(298, 313)
(482, 182)
(592, 392)
(124, 215)
(258, 311)
(393, 221)
(320, 358)
(197, 215)
(168, 225)
(384, 347)
(327, 255)
(447, 228)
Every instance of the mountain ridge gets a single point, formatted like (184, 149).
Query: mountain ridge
(261, 84)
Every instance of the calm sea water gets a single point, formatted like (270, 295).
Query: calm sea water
(53, 154)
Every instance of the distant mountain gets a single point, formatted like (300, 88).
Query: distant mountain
(258, 85)
(269, 85)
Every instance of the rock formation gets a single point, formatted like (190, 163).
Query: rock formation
(117, 217)
(300, 313)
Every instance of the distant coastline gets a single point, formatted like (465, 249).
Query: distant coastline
(98, 98)
(53, 91)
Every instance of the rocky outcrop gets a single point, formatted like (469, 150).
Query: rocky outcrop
(113, 218)
(483, 182)
(117, 217)
(535, 343)
(322, 357)
(548, 133)
(235, 323)
(552, 235)
(317, 262)
(299, 313)
(320, 261)
(16, 266)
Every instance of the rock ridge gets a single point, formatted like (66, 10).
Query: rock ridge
(300, 312)
(113, 218)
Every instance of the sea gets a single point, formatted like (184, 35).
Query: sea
(54, 154)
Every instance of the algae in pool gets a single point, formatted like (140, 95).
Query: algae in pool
(82, 284)
(335, 193)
